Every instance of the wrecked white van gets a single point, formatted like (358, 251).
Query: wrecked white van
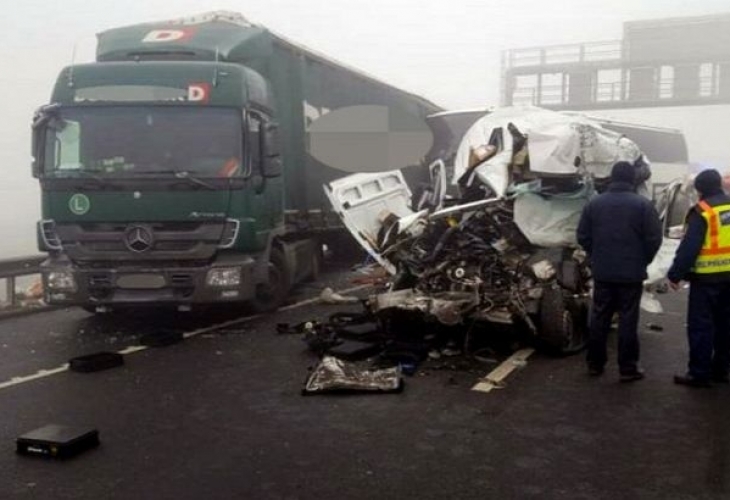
(504, 250)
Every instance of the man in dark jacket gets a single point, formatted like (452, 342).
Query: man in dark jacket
(621, 232)
(703, 258)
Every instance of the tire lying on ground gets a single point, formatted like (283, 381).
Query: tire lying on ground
(562, 324)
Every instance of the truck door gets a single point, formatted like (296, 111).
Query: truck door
(267, 200)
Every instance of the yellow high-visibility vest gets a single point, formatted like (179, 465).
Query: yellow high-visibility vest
(715, 254)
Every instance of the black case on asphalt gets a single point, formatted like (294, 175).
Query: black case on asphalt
(95, 362)
(57, 441)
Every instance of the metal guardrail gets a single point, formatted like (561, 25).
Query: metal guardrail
(15, 267)
(610, 50)
(663, 90)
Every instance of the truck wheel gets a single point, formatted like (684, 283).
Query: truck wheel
(563, 327)
(315, 264)
(271, 295)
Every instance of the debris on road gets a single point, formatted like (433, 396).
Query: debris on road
(650, 303)
(375, 342)
(373, 274)
(95, 362)
(329, 296)
(57, 441)
(337, 375)
(354, 350)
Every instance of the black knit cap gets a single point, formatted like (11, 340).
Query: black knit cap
(708, 182)
(623, 171)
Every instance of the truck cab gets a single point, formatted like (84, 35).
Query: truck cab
(161, 183)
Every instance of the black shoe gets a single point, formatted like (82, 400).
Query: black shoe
(632, 376)
(691, 381)
(721, 378)
(595, 371)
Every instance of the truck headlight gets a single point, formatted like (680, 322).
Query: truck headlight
(61, 281)
(224, 276)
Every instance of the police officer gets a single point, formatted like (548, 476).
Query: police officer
(703, 258)
(621, 232)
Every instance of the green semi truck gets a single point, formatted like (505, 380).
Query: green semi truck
(174, 169)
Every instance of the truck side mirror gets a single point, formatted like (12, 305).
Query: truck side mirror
(42, 119)
(272, 165)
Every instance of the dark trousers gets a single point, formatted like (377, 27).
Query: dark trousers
(608, 299)
(708, 329)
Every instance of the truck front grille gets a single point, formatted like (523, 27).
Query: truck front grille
(100, 281)
(181, 280)
(162, 242)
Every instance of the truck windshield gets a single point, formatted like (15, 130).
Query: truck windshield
(130, 141)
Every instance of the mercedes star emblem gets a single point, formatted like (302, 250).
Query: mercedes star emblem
(138, 239)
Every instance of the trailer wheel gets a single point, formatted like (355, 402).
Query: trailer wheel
(563, 326)
(271, 295)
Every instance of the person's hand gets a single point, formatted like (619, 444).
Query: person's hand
(675, 285)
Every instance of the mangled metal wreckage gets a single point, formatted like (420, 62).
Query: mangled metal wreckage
(503, 249)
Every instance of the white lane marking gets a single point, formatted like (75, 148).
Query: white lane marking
(139, 348)
(39, 374)
(132, 349)
(495, 378)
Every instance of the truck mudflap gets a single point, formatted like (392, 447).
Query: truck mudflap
(66, 284)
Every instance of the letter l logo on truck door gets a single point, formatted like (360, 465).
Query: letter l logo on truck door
(79, 204)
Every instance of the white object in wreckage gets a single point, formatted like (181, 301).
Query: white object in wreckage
(365, 201)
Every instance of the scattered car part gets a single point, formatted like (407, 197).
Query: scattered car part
(336, 375)
(354, 350)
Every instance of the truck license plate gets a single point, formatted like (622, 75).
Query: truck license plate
(141, 281)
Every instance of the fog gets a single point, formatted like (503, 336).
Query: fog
(448, 52)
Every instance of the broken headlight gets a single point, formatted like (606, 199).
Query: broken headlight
(61, 281)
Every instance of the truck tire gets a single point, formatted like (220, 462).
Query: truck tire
(562, 327)
(315, 264)
(271, 295)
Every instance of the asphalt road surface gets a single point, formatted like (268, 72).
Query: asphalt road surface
(221, 416)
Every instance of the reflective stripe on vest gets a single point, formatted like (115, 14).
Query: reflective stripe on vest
(715, 254)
